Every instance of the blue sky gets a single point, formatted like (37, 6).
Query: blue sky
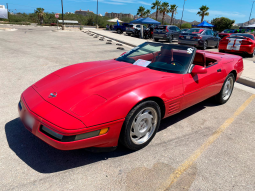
(238, 10)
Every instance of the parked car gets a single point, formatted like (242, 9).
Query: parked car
(200, 37)
(130, 29)
(238, 43)
(227, 32)
(120, 28)
(103, 103)
(166, 32)
(184, 30)
(137, 32)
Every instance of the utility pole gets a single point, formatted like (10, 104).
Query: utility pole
(251, 12)
(97, 13)
(182, 14)
(8, 12)
(62, 15)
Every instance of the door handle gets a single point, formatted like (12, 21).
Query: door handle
(219, 70)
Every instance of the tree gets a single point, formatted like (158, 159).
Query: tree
(222, 23)
(203, 12)
(164, 9)
(40, 13)
(173, 10)
(156, 5)
(186, 26)
(147, 13)
(141, 11)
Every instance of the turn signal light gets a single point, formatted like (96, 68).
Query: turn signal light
(103, 131)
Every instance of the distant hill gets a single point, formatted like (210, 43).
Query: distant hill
(168, 19)
(252, 21)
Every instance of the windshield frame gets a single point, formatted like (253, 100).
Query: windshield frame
(174, 46)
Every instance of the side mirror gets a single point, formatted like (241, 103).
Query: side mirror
(199, 70)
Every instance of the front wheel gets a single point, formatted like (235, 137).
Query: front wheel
(141, 125)
(205, 45)
(119, 31)
(156, 39)
(170, 40)
(226, 90)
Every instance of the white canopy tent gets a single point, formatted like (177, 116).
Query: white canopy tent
(3, 12)
(115, 20)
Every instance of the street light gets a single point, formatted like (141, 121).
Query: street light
(251, 12)
(62, 15)
(182, 14)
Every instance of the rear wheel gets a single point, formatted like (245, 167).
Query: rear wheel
(170, 40)
(217, 45)
(129, 34)
(141, 125)
(119, 31)
(226, 90)
(205, 45)
(156, 39)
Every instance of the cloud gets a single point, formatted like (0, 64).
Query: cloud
(114, 2)
(218, 13)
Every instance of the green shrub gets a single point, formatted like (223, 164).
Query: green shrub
(186, 26)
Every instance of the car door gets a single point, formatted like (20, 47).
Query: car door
(215, 38)
(178, 32)
(202, 86)
(209, 37)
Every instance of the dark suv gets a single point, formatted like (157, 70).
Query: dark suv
(200, 37)
(166, 32)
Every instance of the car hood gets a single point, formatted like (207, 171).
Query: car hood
(95, 81)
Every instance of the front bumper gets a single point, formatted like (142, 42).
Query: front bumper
(110, 139)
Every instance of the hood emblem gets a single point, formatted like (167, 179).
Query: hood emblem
(52, 95)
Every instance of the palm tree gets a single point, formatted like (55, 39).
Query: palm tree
(156, 5)
(147, 13)
(141, 11)
(164, 9)
(173, 10)
(40, 13)
(203, 12)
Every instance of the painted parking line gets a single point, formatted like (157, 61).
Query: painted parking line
(189, 162)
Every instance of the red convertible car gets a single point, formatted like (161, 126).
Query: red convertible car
(238, 43)
(103, 103)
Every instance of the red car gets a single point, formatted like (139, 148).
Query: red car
(227, 32)
(99, 104)
(238, 43)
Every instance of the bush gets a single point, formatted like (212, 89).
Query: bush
(186, 26)
(222, 23)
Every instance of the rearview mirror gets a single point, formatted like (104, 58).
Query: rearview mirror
(199, 70)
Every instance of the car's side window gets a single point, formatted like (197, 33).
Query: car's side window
(172, 28)
(207, 32)
(178, 30)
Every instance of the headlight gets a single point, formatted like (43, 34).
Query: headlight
(51, 133)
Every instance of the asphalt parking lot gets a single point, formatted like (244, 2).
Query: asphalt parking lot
(205, 147)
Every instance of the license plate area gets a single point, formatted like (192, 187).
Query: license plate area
(187, 37)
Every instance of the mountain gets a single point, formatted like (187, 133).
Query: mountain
(252, 21)
(168, 19)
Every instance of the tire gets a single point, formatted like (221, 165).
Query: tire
(217, 45)
(170, 40)
(129, 34)
(119, 31)
(226, 90)
(205, 45)
(253, 54)
(137, 136)
(156, 39)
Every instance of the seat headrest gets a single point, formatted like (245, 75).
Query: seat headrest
(200, 59)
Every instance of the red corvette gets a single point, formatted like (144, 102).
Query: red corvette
(238, 43)
(99, 104)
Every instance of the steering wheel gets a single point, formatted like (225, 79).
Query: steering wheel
(176, 62)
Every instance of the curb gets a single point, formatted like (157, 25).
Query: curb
(246, 81)
(242, 80)
(123, 42)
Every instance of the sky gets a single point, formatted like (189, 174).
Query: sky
(238, 10)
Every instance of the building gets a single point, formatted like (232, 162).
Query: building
(119, 15)
(84, 13)
(68, 13)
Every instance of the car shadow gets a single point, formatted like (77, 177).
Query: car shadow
(46, 159)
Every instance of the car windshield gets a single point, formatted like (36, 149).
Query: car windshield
(162, 57)
(199, 31)
(229, 31)
(242, 35)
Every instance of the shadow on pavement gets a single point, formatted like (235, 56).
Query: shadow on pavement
(46, 159)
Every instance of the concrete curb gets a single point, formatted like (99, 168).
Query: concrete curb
(246, 81)
(123, 42)
(242, 80)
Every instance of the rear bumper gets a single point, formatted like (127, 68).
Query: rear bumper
(243, 49)
(161, 37)
(110, 139)
(191, 42)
